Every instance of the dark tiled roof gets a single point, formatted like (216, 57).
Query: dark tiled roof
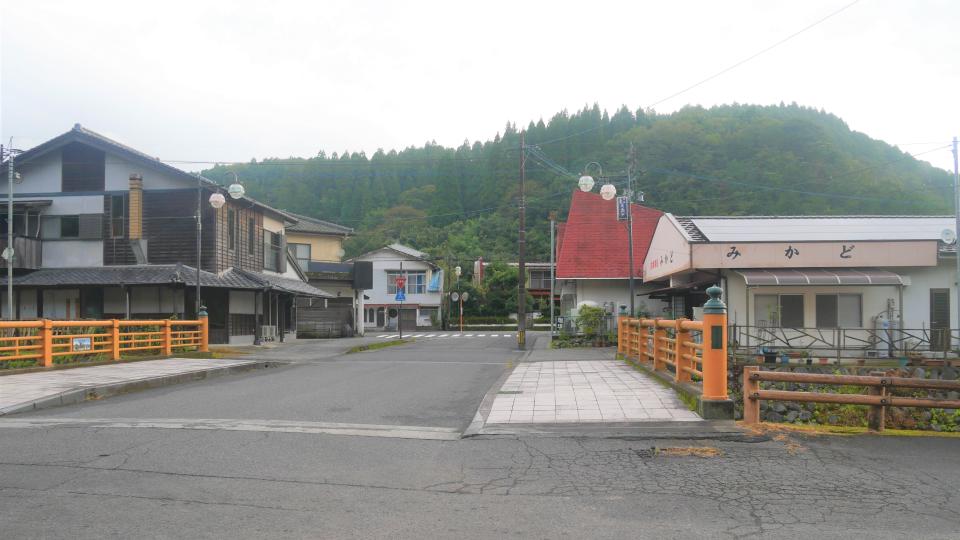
(309, 225)
(164, 274)
(691, 229)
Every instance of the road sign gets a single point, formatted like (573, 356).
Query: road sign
(401, 296)
(623, 208)
(401, 281)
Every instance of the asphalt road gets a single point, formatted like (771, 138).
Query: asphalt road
(82, 481)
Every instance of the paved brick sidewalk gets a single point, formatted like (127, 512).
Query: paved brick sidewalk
(37, 390)
(584, 391)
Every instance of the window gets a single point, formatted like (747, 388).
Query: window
(82, 168)
(839, 311)
(301, 252)
(231, 229)
(272, 250)
(783, 310)
(69, 226)
(251, 236)
(539, 279)
(416, 282)
(118, 214)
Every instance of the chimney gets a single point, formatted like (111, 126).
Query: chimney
(135, 212)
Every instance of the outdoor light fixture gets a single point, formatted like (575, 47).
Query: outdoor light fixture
(236, 190)
(586, 183)
(457, 270)
(608, 192)
(217, 200)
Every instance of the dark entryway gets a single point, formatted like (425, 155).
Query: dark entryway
(940, 319)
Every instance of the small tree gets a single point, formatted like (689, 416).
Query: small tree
(590, 320)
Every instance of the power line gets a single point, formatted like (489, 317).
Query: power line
(722, 71)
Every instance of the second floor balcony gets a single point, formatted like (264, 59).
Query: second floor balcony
(28, 252)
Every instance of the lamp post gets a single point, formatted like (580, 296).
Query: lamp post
(608, 191)
(217, 200)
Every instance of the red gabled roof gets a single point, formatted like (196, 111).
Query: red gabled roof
(593, 244)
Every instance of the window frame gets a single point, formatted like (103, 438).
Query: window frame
(779, 312)
(251, 236)
(839, 323)
(231, 229)
(294, 248)
(116, 220)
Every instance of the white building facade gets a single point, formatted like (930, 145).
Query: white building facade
(423, 289)
(870, 286)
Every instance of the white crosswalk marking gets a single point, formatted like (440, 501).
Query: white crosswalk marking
(443, 335)
(430, 335)
(383, 335)
(481, 335)
(468, 335)
(417, 335)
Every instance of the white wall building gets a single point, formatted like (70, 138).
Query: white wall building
(874, 284)
(423, 289)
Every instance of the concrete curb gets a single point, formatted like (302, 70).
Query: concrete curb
(724, 430)
(79, 395)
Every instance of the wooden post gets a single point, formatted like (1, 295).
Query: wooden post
(658, 345)
(680, 349)
(714, 346)
(204, 331)
(877, 416)
(46, 340)
(751, 407)
(115, 340)
(643, 339)
(167, 339)
(622, 337)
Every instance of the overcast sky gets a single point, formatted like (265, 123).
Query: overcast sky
(232, 80)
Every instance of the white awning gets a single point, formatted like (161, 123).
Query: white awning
(819, 276)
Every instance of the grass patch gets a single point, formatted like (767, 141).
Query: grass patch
(378, 345)
(684, 451)
(851, 430)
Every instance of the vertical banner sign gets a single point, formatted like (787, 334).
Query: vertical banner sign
(623, 208)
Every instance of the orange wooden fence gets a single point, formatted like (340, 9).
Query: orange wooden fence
(695, 351)
(44, 340)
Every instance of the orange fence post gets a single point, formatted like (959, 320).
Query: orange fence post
(46, 340)
(643, 341)
(167, 345)
(622, 337)
(204, 330)
(751, 405)
(714, 402)
(115, 339)
(680, 349)
(658, 333)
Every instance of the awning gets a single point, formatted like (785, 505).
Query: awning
(819, 276)
(681, 289)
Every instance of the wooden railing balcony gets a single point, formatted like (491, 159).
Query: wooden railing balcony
(28, 252)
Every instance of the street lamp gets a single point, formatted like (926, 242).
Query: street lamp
(216, 200)
(608, 192)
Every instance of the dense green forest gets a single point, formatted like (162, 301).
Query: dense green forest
(461, 203)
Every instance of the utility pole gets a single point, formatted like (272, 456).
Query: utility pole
(522, 249)
(956, 195)
(199, 231)
(401, 280)
(553, 264)
(9, 252)
(630, 164)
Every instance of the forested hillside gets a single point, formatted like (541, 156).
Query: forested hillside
(738, 159)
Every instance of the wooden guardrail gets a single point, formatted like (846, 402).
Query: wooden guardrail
(43, 340)
(878, 397)
(694, 350)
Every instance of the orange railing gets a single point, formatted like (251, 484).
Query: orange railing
(692, 351)
(44, 340)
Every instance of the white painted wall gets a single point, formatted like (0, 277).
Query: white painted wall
(61, 303)
(916, 296)
(242, 302)
(41, 176)
(118, 171)
(272, 225)
(72, 253)
(603, 291)
(385, 260)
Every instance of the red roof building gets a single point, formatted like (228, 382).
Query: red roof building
(592, 244)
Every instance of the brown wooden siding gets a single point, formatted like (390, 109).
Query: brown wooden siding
(115, 250)
(242, 256)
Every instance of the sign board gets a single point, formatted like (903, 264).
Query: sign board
(401, 296)
(401, 282)
(81, 344)
(815, 254)
(623, 208)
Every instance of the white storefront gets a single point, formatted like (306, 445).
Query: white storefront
(875, 285)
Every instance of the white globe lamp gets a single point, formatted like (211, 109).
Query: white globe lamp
(608, 192)
(585, 183)
(236, 190)
(217, 200)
